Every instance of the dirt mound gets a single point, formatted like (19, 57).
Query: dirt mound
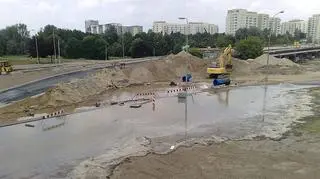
(79, 90)
(244, 67)
(275, 61)
(170, 68)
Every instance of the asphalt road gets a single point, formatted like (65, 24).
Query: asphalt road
(38, 87)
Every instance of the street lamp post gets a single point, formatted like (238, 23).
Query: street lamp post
(122, 41)
(187, 31)
(54, 46)
(269, 42)
(37, 50)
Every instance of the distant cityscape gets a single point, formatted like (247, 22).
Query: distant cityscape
(236, 19)
(190, 28)
(241, 18)
(93, 26)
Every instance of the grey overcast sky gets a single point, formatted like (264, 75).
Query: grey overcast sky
(72, 13)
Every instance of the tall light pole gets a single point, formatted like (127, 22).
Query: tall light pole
(270, 38)
(187, 31)
(187, 42)
(54, 46)
(36, 40)
(266, 79)
(59, 51)
(122, 41)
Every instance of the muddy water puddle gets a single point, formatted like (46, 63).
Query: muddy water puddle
(246, 112)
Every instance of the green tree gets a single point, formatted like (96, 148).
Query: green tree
(224, 40)
(250, 48)
(127, 40)
(93, 47)
(73, 48)
(2, 43)
(298, 35)
(244, 33)
(115, 50)
(139, 48)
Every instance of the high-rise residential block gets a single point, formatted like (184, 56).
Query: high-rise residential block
(275, 25)
(89, 23)
(95, 28)
(241, 18)
(314, 28)
(293, 25)
(190, 28)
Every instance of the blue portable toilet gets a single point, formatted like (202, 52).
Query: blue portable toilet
(187, 78)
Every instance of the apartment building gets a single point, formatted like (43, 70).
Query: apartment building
(275, 25)
(263, 21)
(236, 19)
(93, 26)
(89, 23)
(293, 25)
(241, 18)
(314, 28)
(191, 28)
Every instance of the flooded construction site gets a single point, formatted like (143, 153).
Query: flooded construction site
(56, 147)
(94, 127)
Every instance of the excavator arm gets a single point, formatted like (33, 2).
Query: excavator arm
(224, 65)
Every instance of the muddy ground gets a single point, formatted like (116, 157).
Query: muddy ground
(297, 156)
(149, 75)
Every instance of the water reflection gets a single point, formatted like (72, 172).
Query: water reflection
(48, 126)
(264, 102)
(222, 96)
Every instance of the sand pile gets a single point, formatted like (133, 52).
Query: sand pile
(275, 61)
(277, 66)
(81, 89)
(168, 69)
(171, 68)
(244, 67)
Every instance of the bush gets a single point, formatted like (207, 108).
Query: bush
(250, 48)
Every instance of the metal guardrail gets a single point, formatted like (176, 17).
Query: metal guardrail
(275, 52)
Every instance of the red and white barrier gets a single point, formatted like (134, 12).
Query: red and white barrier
(146, 94)
(55, 114)
(181, 89)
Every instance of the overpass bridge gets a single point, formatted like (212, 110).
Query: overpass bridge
(296, 54)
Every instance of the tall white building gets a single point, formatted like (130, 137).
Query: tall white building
(275, 25)
(89, 23)
(191, 28)
(241, 18)
(95, 28)
(293, 25)
(236, 19)
(263, 21)
(314, 28)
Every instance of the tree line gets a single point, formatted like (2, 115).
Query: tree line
(16, 40)
(251, 41)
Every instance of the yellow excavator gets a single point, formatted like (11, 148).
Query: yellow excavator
(5, 67)
(224, 65)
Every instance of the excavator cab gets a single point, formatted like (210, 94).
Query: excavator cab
(224, 65)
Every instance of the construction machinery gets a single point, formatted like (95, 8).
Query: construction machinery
(224, 65)
(5, 67)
